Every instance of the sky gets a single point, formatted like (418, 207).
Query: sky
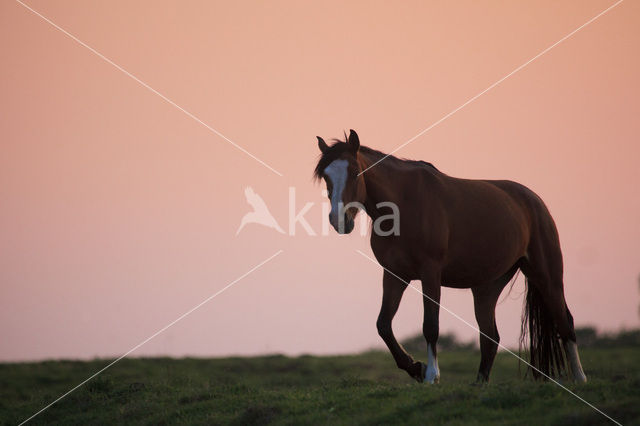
(119, 210)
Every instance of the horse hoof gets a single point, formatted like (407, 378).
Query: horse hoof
(425, 376)
(581, 378)
(432, 381)
(481, 380)
(418, 375)
(423, 372)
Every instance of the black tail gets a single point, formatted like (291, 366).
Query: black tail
(546, 352)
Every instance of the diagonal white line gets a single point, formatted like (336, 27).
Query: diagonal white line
(156, 333)
(422, 132)
(488, 337)
(101, 56)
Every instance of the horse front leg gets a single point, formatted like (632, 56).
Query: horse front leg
(430, 325)
(393, 289)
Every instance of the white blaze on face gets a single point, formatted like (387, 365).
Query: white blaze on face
(432, 375)
(337, 173)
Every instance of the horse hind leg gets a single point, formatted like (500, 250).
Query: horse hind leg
(485, 299)
(571, 350)
(548, 315)
(485, 310)
(564, 319)
(549, 358)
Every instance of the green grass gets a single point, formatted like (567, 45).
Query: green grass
(358, 389)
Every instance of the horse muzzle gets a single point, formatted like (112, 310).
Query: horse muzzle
(343, 224)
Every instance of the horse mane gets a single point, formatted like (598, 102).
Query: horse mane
(340, 146)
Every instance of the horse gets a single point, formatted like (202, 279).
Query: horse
(458, 233)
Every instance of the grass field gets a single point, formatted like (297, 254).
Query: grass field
(358, 389)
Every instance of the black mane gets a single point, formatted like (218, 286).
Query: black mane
(340, 146)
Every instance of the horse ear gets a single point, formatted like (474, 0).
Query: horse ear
(322, 144)
(354, 141)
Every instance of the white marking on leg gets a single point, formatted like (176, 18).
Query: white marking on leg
(432, 375)
(571, 349)
(337, 173)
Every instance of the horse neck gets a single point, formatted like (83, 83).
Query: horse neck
(378, 182)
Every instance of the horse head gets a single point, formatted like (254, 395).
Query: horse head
(340, 169)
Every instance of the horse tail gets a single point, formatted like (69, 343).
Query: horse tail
(546, 352)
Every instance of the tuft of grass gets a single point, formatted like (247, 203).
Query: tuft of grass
(279, 390)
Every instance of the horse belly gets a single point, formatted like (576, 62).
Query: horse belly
(484, 255)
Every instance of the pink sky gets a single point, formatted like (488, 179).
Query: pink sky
(119, 212)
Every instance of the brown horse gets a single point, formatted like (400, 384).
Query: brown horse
(459, 233)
